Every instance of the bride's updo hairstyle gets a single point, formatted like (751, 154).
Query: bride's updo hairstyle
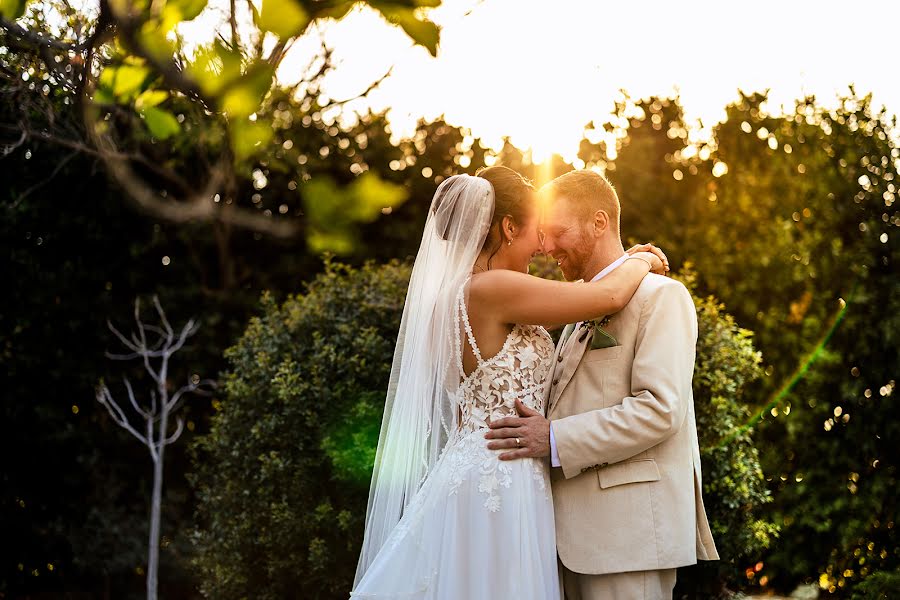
(513, 197)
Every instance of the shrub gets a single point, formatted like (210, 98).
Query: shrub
(734, 486)
(882, 585)
(282, 477)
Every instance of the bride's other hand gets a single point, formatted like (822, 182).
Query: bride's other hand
(664, 269)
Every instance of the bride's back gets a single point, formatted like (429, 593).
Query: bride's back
(516, 368)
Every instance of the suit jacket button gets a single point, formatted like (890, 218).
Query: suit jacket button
(556, 382)
(559, 358)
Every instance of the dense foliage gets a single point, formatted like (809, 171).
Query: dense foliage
(733, 483)
(282, 477)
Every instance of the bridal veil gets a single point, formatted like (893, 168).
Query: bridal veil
(418, 414)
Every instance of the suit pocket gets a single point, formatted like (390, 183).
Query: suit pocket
(603, 354)
(629, 471)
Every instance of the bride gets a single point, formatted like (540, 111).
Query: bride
(446, 519)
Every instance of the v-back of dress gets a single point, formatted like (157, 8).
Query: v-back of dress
(518, 371)
(479, 528)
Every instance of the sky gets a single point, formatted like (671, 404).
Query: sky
(539, 71)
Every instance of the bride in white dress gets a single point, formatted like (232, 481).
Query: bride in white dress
(447, 519)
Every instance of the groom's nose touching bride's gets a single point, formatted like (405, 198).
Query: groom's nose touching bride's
(620, 429)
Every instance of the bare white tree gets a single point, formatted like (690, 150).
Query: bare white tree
(155, 413)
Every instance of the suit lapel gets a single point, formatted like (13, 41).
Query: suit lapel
(571, 352)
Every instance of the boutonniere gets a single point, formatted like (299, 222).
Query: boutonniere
(600, 337)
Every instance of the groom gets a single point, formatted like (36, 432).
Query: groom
(620, 428)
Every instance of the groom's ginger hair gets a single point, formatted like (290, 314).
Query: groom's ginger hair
(588, 192)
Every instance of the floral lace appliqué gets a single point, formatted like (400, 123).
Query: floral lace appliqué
(519, 371)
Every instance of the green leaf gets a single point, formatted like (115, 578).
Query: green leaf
(149, 98)
(338, 11)
(284, 18)
(369, 194)
(334, 211)
(189, 9)
(161, 123)
(243, 99)
(103, 95)
(12, 9)
(126, 80)
(338, 242)
(215, 66)
(247, 136)
(153, 39)
(423, 32)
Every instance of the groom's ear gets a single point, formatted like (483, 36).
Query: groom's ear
(601, 222)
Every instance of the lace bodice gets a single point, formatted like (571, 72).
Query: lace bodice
(520, 370)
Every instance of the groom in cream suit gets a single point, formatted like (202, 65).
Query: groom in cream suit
(620, 427)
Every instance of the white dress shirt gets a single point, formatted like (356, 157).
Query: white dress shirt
(554, 455)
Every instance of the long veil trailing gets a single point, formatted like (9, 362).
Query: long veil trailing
(418, 415)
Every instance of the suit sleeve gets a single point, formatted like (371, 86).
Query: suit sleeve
(663, 367)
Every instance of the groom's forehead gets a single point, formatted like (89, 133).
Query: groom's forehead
(556, 208)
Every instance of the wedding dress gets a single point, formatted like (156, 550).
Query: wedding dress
(478, 528)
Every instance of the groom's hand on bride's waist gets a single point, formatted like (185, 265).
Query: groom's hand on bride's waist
(527, 435)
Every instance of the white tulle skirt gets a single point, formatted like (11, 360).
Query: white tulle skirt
(478, 529)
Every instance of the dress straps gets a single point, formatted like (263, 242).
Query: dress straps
(461, 300)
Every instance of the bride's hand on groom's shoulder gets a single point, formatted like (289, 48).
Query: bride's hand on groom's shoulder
(654, 250)
(527, 435)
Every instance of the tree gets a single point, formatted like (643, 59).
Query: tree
(139, 93)
(155, 415)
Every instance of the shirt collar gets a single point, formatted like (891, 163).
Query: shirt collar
(610, 267)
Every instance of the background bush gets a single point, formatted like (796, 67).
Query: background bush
(282, 477)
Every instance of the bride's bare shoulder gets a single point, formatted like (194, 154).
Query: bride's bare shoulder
(494, 278)
(500, 283)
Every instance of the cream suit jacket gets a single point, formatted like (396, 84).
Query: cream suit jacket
(628, 494)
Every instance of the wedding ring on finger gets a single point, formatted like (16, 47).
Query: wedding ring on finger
(517, 442)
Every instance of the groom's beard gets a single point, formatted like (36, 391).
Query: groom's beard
(575, 260)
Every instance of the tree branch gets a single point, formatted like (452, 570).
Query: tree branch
(192, 387)
(153, 166)
(106, 399)
(24, 39)
(44, 180)
(178, 429)
(134, 403)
